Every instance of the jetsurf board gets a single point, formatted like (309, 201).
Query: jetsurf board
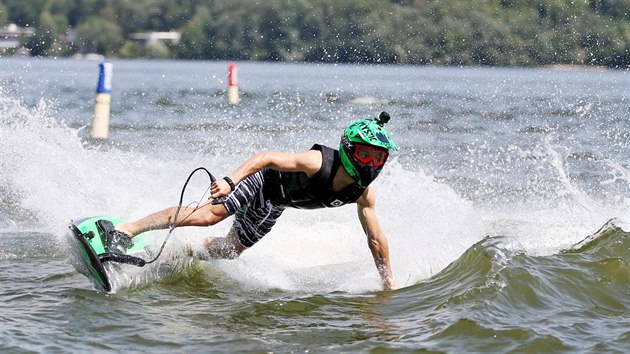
(90, 235)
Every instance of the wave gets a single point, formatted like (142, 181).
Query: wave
(496, 290)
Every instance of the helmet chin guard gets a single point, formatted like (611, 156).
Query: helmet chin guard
(370, 132)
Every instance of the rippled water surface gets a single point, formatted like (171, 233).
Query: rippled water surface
(506, 210)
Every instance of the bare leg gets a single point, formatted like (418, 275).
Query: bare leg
(204, 215)
(228, 247)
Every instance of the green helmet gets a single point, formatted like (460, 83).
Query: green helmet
(365, 132)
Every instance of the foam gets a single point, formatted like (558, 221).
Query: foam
(51, 175)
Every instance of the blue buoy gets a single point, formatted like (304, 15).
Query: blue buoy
(106, 70)
(100, 120)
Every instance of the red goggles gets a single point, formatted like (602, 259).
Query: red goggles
(367, 154)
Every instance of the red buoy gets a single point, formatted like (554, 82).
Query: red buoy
(232, 84)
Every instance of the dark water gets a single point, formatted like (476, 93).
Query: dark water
(506, 210)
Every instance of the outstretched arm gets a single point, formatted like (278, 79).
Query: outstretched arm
(376, 238)
(208, 214)
(308, 162)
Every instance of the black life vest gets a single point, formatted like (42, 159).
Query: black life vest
(297, 190)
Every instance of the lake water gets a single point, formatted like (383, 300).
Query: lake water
(507, 209)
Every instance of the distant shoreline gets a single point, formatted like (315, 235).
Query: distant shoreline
(98, 57)
(572, 67)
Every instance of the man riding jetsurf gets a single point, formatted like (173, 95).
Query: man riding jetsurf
(260, 189)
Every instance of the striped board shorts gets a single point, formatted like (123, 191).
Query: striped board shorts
(253, 215)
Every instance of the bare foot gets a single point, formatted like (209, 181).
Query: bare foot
(124, 227)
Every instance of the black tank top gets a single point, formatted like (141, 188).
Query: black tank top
(297, 190)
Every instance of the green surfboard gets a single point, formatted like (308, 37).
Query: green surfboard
(90, 236)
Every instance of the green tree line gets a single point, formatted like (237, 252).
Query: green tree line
(436, 32)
